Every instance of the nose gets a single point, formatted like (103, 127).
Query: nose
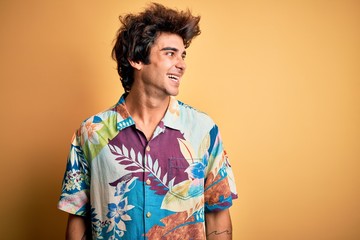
(181, 65)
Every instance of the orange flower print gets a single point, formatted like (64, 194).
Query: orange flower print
(173, 107)
(90, 128)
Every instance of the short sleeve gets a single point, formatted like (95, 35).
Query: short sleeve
(220, 187)
(74, 197)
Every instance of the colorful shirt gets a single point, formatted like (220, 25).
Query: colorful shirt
(132, 188)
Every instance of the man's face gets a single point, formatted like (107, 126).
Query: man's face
(163, 74)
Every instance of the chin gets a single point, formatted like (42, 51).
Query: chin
(174, 94)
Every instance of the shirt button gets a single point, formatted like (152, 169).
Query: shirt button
(148, 214)
(148, 182)
(148, 148)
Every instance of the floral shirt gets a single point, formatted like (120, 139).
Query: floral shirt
(132, 188)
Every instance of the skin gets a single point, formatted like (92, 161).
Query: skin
(150, 94)
(218, 225)
(76, 228)
(147, 103)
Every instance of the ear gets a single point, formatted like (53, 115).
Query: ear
(137, 65)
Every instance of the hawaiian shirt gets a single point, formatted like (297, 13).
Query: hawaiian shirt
(132, 188)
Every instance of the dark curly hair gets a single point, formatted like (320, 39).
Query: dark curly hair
(139, 32)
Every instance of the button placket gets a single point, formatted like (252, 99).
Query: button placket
(147, 183)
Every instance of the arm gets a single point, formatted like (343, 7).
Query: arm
(218, 225)
(76, 228)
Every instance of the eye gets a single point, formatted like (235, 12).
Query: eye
(170, 54)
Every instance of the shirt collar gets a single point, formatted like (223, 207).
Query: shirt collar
(171, 118)
(172, 115)
(124, 119)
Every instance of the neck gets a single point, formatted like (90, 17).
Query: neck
(146, 111)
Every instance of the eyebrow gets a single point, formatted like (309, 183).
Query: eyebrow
(172, 49)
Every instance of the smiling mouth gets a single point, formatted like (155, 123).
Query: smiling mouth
(173, 77)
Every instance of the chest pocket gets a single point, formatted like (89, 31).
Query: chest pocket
(186, 177)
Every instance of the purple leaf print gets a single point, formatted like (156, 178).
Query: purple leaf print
(126, 162)
(150, 170)
(132, 168)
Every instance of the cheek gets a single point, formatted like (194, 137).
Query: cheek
(163, 67)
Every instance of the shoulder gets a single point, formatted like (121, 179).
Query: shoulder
(198, 128)
(98, 127)
(195, 116)
(195, 123)
(101, 117)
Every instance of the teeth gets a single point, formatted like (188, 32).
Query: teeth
(173, 77)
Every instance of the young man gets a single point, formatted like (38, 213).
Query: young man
(149, 167)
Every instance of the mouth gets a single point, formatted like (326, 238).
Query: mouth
(173, 77)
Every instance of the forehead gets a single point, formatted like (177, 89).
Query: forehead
(169, 40)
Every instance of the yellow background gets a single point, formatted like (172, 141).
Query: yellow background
(281, 79)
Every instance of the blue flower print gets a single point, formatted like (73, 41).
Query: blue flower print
(196, 170)
(125, 186)
(118, 212)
